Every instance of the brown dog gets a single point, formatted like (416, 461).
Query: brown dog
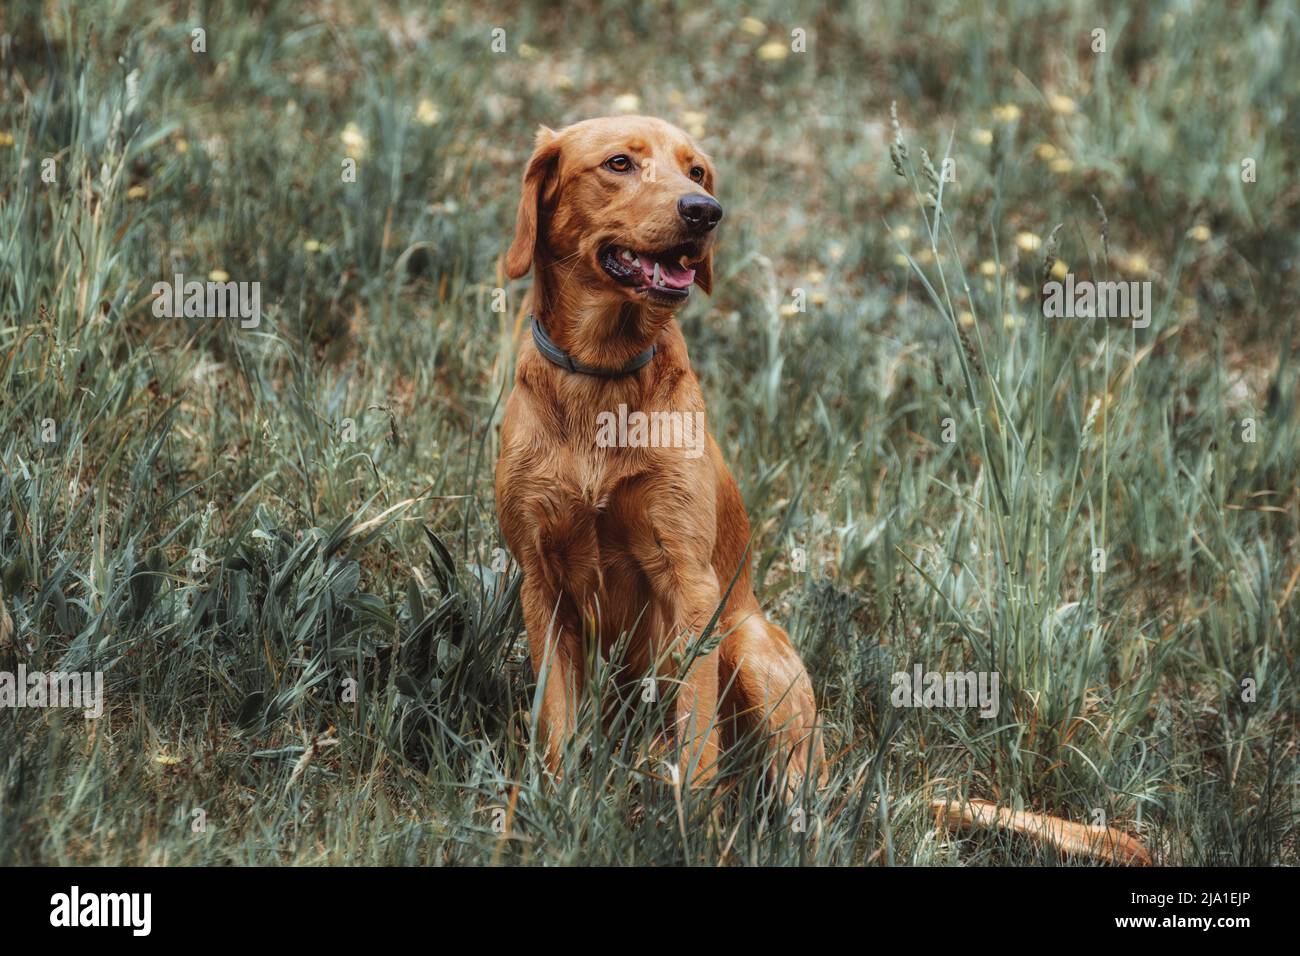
(616, 221)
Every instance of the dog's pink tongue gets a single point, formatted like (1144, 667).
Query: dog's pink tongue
(670, 273)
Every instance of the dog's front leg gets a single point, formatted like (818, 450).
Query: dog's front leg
(555, 648)
(691, 602)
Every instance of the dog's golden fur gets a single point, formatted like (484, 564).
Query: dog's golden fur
(1101, 843)
(642, 541)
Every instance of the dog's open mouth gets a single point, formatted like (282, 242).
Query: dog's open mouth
(666, 274)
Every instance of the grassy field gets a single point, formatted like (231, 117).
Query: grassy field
(278, 543)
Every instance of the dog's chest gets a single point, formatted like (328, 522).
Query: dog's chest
(599, 476)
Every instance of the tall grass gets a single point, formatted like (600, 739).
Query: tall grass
(279, 544)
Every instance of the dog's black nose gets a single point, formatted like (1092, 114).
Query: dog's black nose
(700, 212)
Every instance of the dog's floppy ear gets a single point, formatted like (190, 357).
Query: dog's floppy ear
(537, 177)
(704, 273)
(704, 268)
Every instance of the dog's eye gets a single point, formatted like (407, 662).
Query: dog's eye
(618, 164)
(697, 173)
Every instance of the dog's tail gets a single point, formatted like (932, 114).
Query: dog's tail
(1100, 843)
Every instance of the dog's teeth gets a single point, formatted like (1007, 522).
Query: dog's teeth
(656, 278)
(627, 255)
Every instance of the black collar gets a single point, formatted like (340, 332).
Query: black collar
(557, 356)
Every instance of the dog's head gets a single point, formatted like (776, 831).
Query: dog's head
(623, 205)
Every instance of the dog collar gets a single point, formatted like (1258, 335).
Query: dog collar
(557, 356)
